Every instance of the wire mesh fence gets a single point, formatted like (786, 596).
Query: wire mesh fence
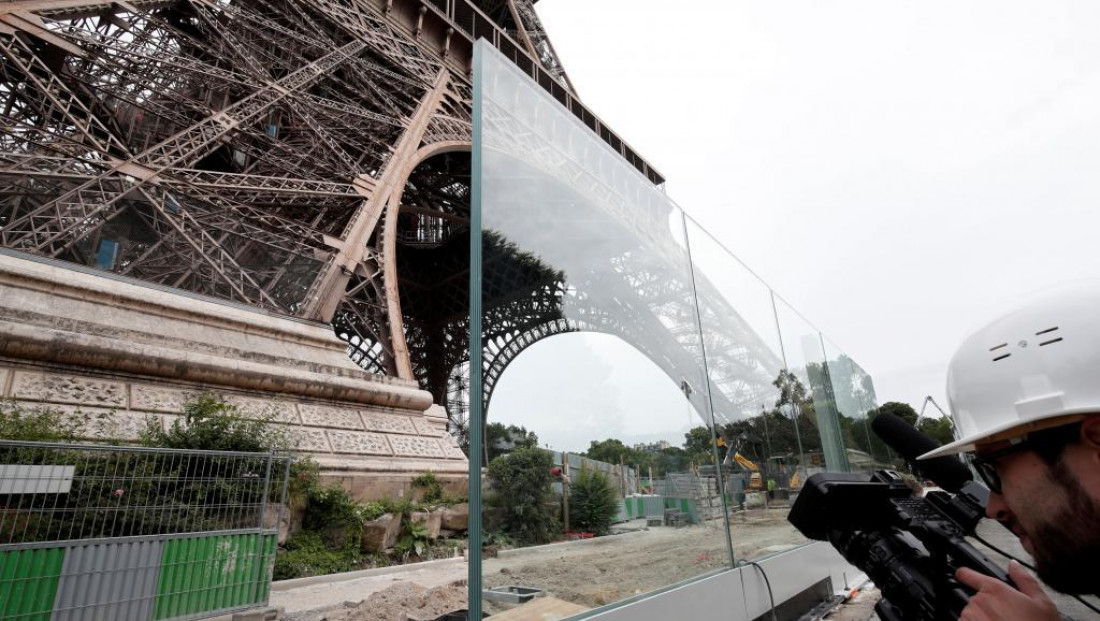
(61, 492)
(103, 532)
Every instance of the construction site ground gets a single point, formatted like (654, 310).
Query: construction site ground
(589, 573)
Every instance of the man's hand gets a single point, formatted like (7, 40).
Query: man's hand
(997, 601)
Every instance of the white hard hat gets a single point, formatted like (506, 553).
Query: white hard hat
(1035, 368)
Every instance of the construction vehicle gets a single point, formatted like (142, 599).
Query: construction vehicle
(924, 405)
(755, 482)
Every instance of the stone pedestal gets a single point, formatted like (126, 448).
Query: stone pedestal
(126, 352)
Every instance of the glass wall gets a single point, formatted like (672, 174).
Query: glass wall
(649, 407)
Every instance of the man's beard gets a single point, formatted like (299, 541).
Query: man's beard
(1067, 546)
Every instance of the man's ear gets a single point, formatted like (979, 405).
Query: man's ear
(1090, 431)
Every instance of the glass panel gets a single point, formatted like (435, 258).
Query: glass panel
(850, 386)
(805, 387)
(763, 453)
(594, 392)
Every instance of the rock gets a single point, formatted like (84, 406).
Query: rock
(381, 534)
(456, 518)
(432, 521)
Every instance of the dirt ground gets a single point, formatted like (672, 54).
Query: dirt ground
(404, 601)
(590, 573)
(604, 570)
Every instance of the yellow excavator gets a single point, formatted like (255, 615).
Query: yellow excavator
(755, 482)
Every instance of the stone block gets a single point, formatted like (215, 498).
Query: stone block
(103, 424)
(4, 375)
(328, 416)
(436, 411)
(159, 399)
(52, 388)
(456, 518)
(249, 407)
(415, 446)
(424, 427)
(387, 423)
(433, 520)
(451, 451)
(313, 440)
(358, 442)
(381, 534)
(278, 514)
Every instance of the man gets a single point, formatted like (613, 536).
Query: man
(1025, 393)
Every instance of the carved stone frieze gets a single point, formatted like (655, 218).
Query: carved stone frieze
(106, 424)
(54, 388)
(359, 442)
(158, 398)
(306, 439)
(388, 424)
(248, 407)
(328, 416)
(415, 446)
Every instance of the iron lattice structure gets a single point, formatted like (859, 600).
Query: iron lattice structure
(305, 157)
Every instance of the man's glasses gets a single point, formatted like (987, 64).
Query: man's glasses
(986, 465)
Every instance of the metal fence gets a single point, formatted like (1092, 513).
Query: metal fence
(126, 533)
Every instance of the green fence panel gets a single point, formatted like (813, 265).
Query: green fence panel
(205, 574)
(28, 583)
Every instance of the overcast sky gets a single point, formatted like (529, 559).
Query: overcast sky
(900, 172)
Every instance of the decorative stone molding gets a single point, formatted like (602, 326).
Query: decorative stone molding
(415, 446)
(326, 416)
(310, 440)
(248, 407)
(359, 443)
(158, 398)
(388, 424)
(51, 388)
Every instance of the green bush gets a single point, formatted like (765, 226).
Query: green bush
(415, 540)
(37, 424)
(593, 503)
(433, 489)
(306, 555)
(331, 511)
(210, 424)
(521, 483)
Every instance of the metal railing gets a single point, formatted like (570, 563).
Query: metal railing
(91, 531)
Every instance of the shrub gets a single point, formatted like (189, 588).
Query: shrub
(415, 539)
(210, 424)
(37, 425)
(593, 502)
(433, 489)
(331, 511)
(306, 555)
(521, 482)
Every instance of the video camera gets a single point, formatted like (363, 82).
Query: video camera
(909, 545)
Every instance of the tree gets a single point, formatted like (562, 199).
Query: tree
(521, 493)
(903, 411)
(500, 440)
(593, 501)
(611, 451)
(697, 444)
(939, 429)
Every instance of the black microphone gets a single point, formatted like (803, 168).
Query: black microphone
(947, 472)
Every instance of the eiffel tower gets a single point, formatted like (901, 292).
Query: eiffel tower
(196, 194)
